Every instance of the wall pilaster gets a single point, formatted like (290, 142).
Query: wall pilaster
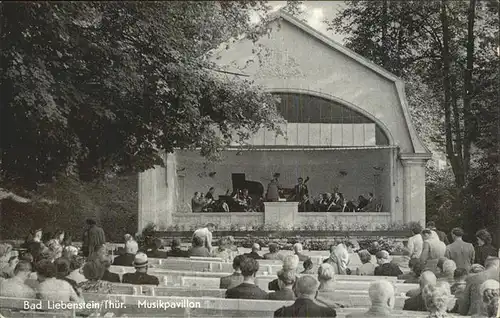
(414, 187)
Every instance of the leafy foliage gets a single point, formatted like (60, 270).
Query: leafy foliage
(93, 87)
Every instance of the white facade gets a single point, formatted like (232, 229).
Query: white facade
(299, 60)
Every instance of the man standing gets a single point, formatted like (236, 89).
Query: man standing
(206, 235)
(433, 249)
(300, 190)
(459, 251)
(442, 235)
(93, 238)
(415, 243)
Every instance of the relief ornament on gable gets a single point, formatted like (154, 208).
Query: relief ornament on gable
(276, 63)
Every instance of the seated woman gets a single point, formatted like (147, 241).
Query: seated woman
(55, 244)
(367, 268)
(490, 290)
(223, 250)
(69, 250)
(436, 298)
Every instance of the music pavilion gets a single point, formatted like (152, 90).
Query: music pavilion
(348, 126)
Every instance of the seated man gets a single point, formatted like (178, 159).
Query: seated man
(235, 278)
(386, 268)
(198, 248)
(416, 302)
(254, 253)
(155, 252)
(108, 276)
(126, 259)
(16, 286)
(175, 249)
(286, 280)
(297, 247)
(291, 262)
(140, 277)
(417, 268)
(247, 290)
(305, 306)
(382, 297)
(308, 267)
(274, 253)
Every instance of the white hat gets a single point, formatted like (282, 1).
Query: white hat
(140, 260)
(489, 284)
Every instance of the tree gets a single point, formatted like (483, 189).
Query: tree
(93, 87)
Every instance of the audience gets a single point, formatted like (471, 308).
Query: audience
(448, 273)
(198, 249)
(175, 249)
(433, 249)
(55, 244)
(235, 278)
(367, 268)
(441, 235)
(93, 238)
(339, 257)
(155, 251)
(274, 253)
(8, 261)
(291, 263)
(127, 258)
(385, 267)
(63, 268)
(490, 291)
(436, 300)
(305, 305)
(416, 302)
(247, 290)
(462, 253)
(34, 244)
(471, 301)
(416, 242)
(69, 250)
(140, 277)
(308, 267)
(286, 280)
(223, 252)
(254, 253)
(297, 248)
(417, 268)
(16, 286)
(485, 248)
(205, 234)
(382, 298)
(76, 269)
(327, 293)
(476, 268)
(93, 272)
(50, 287)
(108, 276)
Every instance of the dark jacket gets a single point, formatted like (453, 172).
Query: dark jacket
(300, 192)
(246, 291)
(124, 260)
(415, 303)
(177, 253)
(253, 255)
(388, 269)
(157, 254)
(442, 237)
(484, 251)
(305, 308)
(273, 285)
(111, 277)
(285, 294)
(140, 279)
(231, 281)
(200, 251)
(92, 239)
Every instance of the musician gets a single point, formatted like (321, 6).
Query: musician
(273, 189)
(197, 202)
(337, 203)
(305, 204)
(300, 190)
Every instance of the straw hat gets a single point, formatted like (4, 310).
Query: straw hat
(140, 260)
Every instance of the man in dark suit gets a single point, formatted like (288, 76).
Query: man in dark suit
(108, 276)
(176, 250)
(470, 303)
(140, 277)
(385, 267)
(155, 252)
(274, 253)
(235, 278)
(305, 306)
(254, 253)
(286, 280)
(300, 190)
(93, 237)
(247, 290)
(462, 253)
(127, 258)
(416, 302)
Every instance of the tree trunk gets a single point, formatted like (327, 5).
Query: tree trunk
(468, 88)
(446, 64)
(385, 46)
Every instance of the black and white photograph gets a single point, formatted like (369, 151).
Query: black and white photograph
(250, 159)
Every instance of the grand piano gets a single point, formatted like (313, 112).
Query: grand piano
(255, 191)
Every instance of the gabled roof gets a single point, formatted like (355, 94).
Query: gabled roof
(418, 145)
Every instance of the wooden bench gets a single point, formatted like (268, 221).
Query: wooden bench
(204, 307)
